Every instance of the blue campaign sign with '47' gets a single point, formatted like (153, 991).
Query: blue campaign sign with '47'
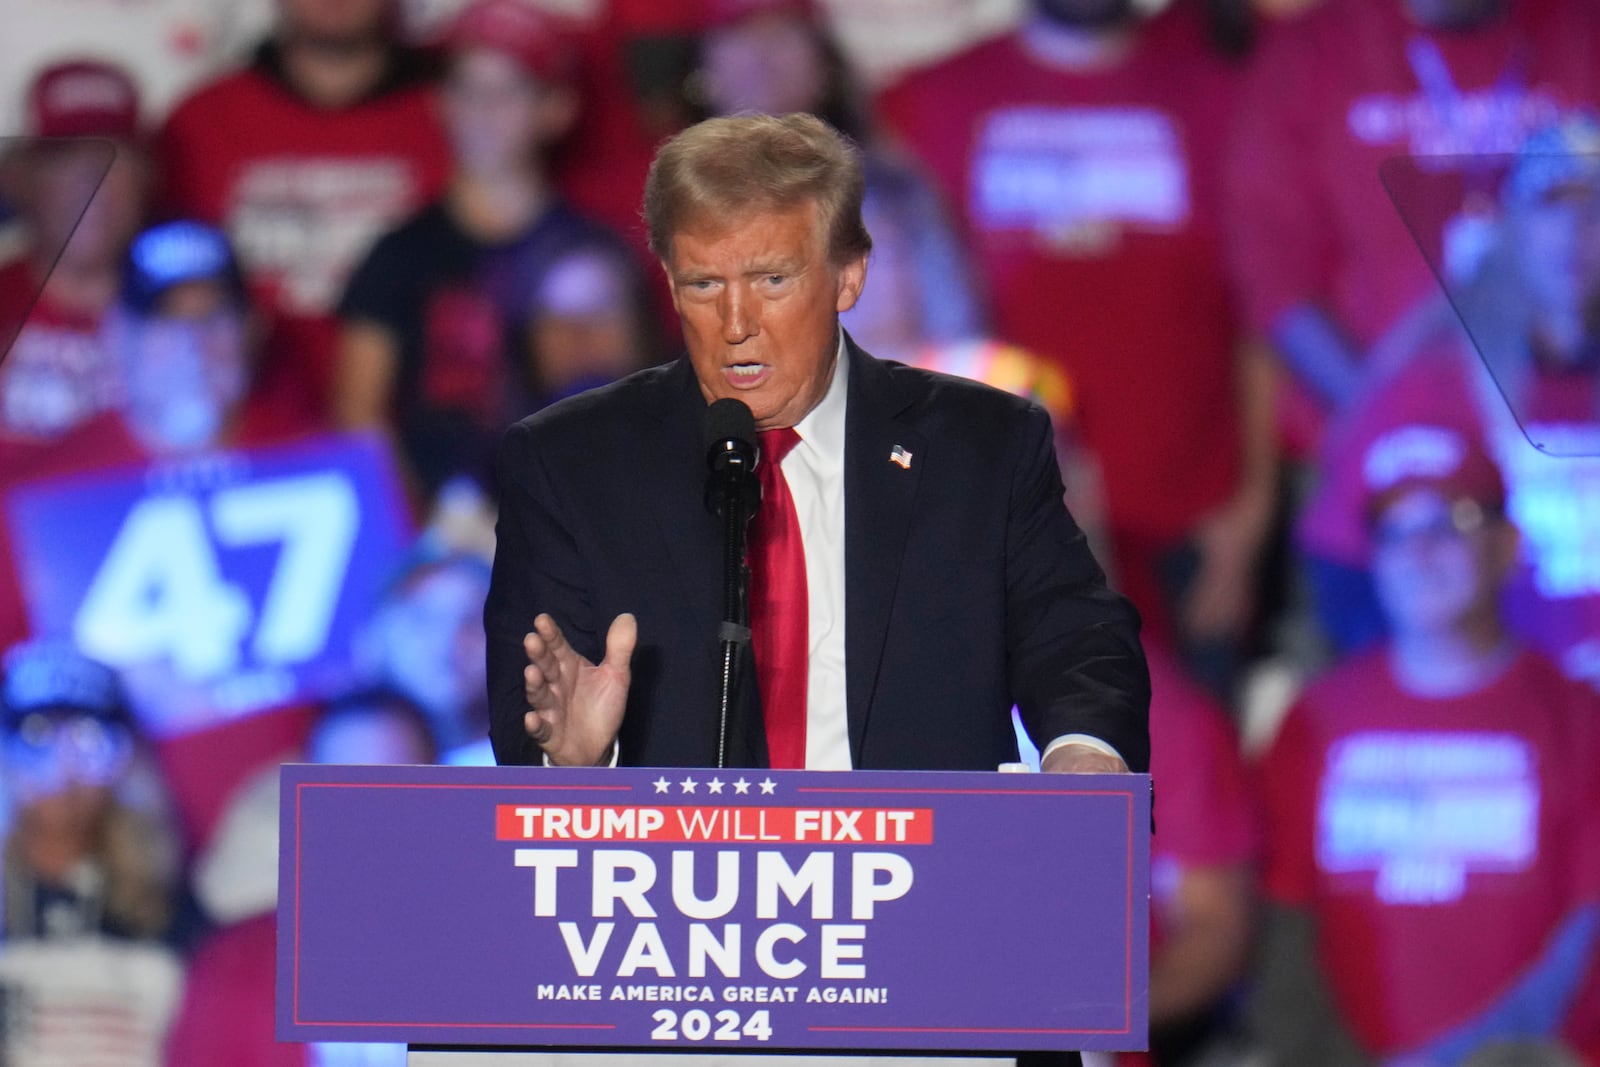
(219, 585)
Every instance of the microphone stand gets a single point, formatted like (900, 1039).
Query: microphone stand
(735, 495)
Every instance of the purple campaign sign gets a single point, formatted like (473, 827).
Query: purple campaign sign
(735, 910)
(220, 584)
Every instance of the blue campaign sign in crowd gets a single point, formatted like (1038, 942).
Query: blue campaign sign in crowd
(243, 574)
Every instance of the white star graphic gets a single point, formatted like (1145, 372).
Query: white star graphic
(741, 786)
(662, 785)
(688, 785)
(715, 785)
(768, 786)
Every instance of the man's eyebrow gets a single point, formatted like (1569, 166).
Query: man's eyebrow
(776, 266)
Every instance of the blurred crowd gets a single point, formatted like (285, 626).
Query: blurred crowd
(1311, 289)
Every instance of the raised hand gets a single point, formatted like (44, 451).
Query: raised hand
(574, 706)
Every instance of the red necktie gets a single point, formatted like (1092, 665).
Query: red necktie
(779, 608)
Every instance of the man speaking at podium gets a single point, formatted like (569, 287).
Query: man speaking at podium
(913, 569)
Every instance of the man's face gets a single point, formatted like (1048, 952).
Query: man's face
(759, 300)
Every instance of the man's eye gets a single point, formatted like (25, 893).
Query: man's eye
(777, 279)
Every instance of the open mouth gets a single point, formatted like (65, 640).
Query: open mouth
(747, 374)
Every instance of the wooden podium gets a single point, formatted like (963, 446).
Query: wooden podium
(713, 911)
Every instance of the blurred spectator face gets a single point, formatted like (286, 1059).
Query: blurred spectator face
(185, 374)
(60, 179)
(770, 62)
(335, 23)
(495, 112)
(427, 641)
(182, 336)
(508, 92)
(371, 734)
(1085, 12)
(1558, 249)
(65, 742)
(584, 329)
(87, 116)
(1438, 561)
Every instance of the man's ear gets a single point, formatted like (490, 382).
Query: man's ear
(852, 279)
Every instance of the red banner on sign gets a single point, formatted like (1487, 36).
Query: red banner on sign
(673, 823)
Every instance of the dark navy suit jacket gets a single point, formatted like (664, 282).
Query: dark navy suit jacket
(968, 585)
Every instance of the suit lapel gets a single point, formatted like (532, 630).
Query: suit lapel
(878, 496)
(675, 496)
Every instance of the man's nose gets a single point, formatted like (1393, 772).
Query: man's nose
(741, 319)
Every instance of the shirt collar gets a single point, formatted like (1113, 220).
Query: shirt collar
(822, 429)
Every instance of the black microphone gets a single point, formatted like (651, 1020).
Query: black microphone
(731, 456)
(733, 494)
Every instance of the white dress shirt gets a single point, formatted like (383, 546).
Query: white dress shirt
(814, 470)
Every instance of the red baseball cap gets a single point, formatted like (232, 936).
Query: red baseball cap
(720, 13)
(84, 98)
(1446, 459)
(531, 36)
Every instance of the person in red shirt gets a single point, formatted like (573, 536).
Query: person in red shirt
(1326, 264)
(81, 197)
(1202, 866)
(1082, 155)
(635, 57)
(1430, 804)
(325, 141)
(896, 325)
(436, 318)
(1526, 381)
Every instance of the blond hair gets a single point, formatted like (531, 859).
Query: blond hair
(724, 169)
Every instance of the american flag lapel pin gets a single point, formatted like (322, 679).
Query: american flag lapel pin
(900, 455)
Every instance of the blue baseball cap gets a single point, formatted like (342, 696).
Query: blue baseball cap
(174, 253)
(48, 675)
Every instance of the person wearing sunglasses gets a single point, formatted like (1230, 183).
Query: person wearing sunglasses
(91, 868)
